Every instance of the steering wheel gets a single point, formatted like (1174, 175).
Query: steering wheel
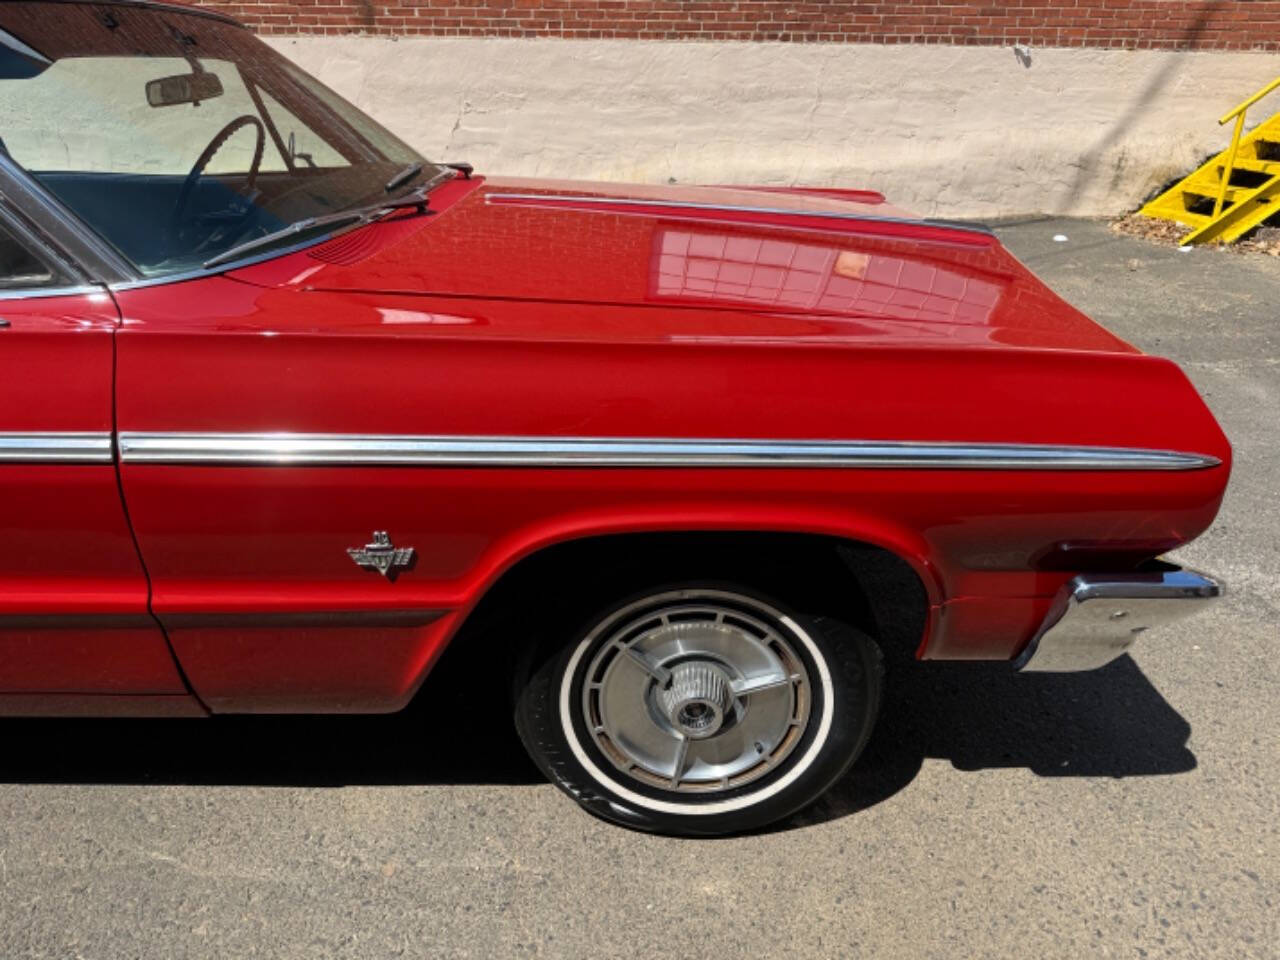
(174, 239)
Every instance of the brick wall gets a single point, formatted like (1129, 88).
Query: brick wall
(1125, 24)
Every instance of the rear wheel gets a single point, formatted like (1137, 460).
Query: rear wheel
(700, 710)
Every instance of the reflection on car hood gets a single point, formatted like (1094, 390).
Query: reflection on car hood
(847, 261)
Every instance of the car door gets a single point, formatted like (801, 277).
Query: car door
(75, 631)
(270, 577)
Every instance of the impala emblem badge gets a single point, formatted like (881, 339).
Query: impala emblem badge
(382, 555)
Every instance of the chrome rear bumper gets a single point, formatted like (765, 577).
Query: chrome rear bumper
(1097, 617)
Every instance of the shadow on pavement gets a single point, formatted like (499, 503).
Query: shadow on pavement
(1104, 723)
(1111, 722)
(457, 730)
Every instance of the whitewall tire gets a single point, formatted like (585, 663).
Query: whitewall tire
(699, 710)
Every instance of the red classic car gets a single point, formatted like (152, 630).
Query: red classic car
(284, 405)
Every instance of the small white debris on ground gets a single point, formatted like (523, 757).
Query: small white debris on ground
(1167, 233)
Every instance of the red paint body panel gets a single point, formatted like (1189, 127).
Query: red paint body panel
(503, 320)
(362, 667)
(73, 595)
(818, 282)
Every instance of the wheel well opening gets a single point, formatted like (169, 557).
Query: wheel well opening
(868, 586)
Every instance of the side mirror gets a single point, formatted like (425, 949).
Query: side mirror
(184, 88)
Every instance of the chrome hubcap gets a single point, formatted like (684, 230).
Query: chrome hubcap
(696, 691)
(697, 699)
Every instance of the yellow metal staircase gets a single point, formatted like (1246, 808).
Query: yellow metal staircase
(1233, 192)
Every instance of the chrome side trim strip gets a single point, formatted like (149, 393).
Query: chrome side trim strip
(980, 229)
(1097, 617)
(314, 449)
(55, 448)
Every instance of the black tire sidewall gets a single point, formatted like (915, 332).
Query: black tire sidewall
(854, 671)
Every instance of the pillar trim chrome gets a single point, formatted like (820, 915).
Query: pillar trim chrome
(317, 449)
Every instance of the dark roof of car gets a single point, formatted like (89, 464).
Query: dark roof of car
(173, 7)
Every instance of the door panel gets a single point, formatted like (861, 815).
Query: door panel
(250, 572)
(73, 594)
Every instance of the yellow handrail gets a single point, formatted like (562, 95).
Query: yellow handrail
(1238, 113)
(1251, 101)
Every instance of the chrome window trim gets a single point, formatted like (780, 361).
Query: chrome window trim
(41, 293)
(980, 229)
(63, 271)
(318, 449)
(79, 244)
(56, 448)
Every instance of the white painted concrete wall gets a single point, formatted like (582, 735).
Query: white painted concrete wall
(951, 131)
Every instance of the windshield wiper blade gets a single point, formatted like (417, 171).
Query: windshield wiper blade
(357, 216)
(285, 233)
(404, 176)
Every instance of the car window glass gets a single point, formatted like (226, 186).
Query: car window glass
(111, 114)
(18, 267)
(307, 147)
(382, 140)
(91, 114)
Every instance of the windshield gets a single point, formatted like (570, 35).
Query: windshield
(178, 137)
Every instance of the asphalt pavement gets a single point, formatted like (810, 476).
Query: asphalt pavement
(1129, 812)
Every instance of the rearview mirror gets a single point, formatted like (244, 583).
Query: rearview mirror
(184, 88)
